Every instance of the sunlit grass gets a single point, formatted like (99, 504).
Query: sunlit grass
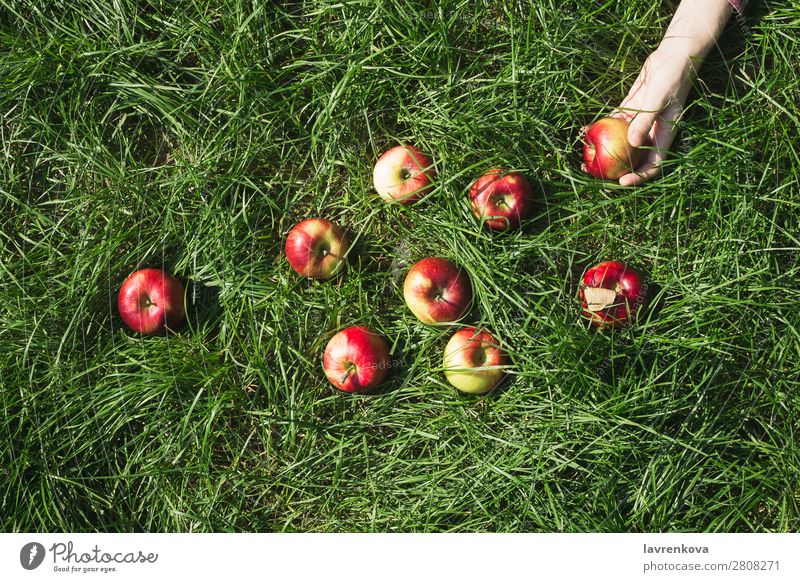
(193, 135)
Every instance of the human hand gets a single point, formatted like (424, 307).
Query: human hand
(654, 105)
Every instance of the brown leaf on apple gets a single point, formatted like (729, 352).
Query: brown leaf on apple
(598, 298)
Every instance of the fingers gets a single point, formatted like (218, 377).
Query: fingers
(644, 103)
(620, 112)
(641, 125)
(666, 127)
(650, 169)
(661, 136)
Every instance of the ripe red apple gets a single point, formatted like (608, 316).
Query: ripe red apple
(612, 294)
(607, 154)
(316, 248)
(356, 359)
(403, 174)
(150, 301)
(501, 198)
(473, 361)
(436, 290)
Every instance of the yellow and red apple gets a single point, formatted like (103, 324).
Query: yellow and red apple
(403, 174)
(316, 248)
(607, 153)
(356, 359)
(437, 290)
(474, 362)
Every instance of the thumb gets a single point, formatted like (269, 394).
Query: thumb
(640, 127)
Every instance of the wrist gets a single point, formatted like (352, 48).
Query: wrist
(678, 54)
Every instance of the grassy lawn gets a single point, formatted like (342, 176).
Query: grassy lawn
(194, 135)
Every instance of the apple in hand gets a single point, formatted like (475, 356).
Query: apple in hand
(607, 154)
(436, 290)
(356, 359)
(150, 301)
(403, 174)
(612, 294)
(473, 361)
(316, 248)
(501, 199)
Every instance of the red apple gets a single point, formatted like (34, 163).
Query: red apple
(403, 174)
(502, 199)
(150, 301)
(436, 290)
(356, 359)
(474, 361)
(612, 294)
(316, 248)
(607, 154)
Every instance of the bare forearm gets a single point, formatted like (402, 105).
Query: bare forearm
(695, 27)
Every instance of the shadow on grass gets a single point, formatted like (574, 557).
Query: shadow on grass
(202, 307)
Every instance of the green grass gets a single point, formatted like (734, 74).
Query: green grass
(193, 135)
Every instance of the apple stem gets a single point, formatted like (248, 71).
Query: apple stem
(145, 302)
(347, 372)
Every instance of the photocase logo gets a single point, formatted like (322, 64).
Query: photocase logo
(31, 555)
